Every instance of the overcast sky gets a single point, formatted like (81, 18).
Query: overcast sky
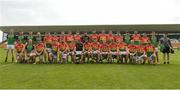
(83, 12)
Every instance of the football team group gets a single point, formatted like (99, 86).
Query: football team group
(84, 48)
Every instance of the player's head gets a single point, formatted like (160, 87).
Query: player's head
(144, 35)
(69, 32)
(110, 32)
(118, 33)
(62, 32)
(165, 34)
(55, 33)
(85, 33)
(30, 41)
(103, 31)
(11, 31)
(135, 32)
(48, 33)
(38, 33)
(127, 32)
(30, 33)
(21, 33)
(77, 32)
(94, 32)
(153, 33)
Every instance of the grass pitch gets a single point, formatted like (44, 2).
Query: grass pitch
(93, 76)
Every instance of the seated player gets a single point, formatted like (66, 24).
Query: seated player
(141, 54)
(79, 52)
(53, 55)
(63, 50)
(132, 53)
(104, 52)
(95, 51)
(114, 54)
(47, 41)
(71, 51)
(30, 53)
(40, 52)
(123, 52)
(19, 49)
(150, 52)
(87, 51)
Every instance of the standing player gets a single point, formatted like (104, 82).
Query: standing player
(110, 37)
(94, 37)
(150, 52)
(38, 38)
(144, 39)
(127, 38)
(55, 37)
(10, 45)
(154, 41)
(85, 38)
(77, 37)
(19, 48)
(21, 37)
(104, 52)
(136, 38)
(123, 51)
(62, 37)
(118, 37)
(30, 36)
(40, 52)
(69, 37)
(103, 37)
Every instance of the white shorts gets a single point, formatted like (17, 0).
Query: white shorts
(78, 52)
(123, 53)
(113, 53)
(64, 55)
(48, 50)
(104, 52)
(140, 58)
(10, 47)
(95, 52)
(32, 54)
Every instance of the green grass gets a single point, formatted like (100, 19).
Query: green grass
(93, 76)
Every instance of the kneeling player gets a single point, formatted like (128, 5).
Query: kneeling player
(30, 53)
(19, 48)
(40, 52)
(150, 51)
(78, 53)
(141, 54)
(104, 52)
(114, 54)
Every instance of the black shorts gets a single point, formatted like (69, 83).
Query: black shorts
(166, 50)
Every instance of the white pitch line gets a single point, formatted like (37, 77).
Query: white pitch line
(4, 65)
